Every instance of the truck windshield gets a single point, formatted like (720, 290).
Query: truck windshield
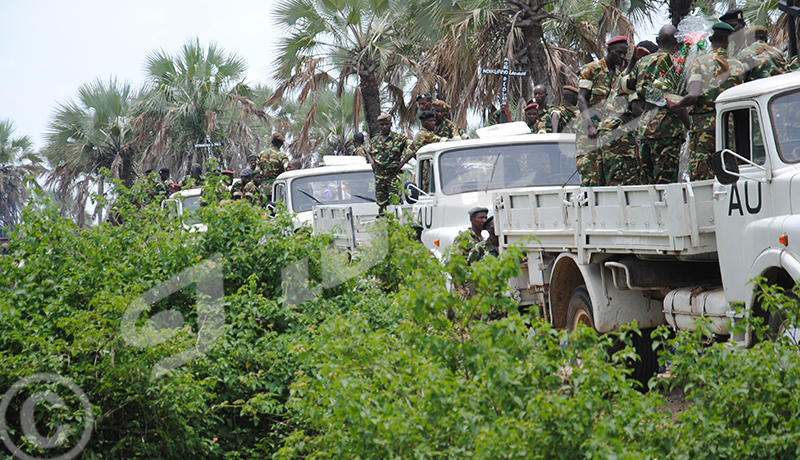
(339, 188)
(507, 166)
(785, 112)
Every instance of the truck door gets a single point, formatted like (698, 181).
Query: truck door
(743, 210)
(427, 184)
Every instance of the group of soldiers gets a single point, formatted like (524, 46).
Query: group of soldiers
(390, 151)
(255, 184)
(628, 138)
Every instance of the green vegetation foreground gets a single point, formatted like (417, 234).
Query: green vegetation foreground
(385, 365)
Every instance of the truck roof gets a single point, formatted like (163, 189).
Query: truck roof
(754, 89)
(507, 140)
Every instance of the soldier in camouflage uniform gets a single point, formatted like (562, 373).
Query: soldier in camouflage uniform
(596, 81)
(252, 191)
(445, 127)
(163, 187)
(237, 189)
(711, 74)
(384, 155)
(359, 149)
(252, 160)
(545, 122)
(271, 162)
(564, 118)
(662, 131)
(424, 136)
(532, 117)
(735, 18)
(488, 246)
(759, 59)
(471, 237)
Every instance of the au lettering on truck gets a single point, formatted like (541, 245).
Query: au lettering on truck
(752, 198)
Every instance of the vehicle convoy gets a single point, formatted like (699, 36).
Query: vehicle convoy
(668, 254)
(455, 176)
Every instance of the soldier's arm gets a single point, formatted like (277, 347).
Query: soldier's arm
(583, 105)
(370, 160)
(554, 121)
(695, 90)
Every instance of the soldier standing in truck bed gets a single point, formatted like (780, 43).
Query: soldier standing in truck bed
(384, 154)
(759, 59)
(272, 162)
(711, 74)
(445, 127)
(564, 117)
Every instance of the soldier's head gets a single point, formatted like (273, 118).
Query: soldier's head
(735, 18)
(252, 160)
(617, 50)
(258, 178)
(227, 177)
(721, 36)
(196, 171)
(163, 173)
(246, 175)
(385, 123)
(277, 140)
(424, 101)
(757, 34)
(477, 217)
(428, 120)
(540, 95)
(358, 139)
(666, 38)
(440, 110)
(294, 164)
(531, 113)
(489, 226)
(570, 95)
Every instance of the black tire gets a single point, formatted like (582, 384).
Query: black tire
(580, 309)
(643, 369)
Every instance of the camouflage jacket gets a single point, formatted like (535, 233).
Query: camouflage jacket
(360, 151)
(272, 162)
(545, 121)
(717, 71)
(480, 250)
(388, 154)
(253, 192)
(449, 130)
(237, 190)
(472, 239)
(423, 137)
(657, 122)
(566, 115)
(597, 78)
(761, 61)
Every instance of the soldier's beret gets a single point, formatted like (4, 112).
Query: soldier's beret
(532, 105)
(246, 172)
(723, 27)
(162, 170)
(424, 96)
(278, 137)
(384, 116)
(440, 103)
(426, 115)
(252, 155)
(571, 88)
(476, 210)
(228, 172)
(732, 15)
(617, 39)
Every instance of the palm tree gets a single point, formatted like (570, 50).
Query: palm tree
(333, 41)
(17, 161)
(88, 134)
(195, 95)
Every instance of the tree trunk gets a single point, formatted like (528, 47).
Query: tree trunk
(372, 101)
(678, 9)
(538, 62)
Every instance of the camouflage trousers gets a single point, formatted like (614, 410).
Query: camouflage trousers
(589, 161)
(702, 145)
(384, 189)
(659, 159)
(620, 157)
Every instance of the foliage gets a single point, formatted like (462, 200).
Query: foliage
(18, 161)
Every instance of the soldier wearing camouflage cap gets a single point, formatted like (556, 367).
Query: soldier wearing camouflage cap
(272, 162)
(445, 127)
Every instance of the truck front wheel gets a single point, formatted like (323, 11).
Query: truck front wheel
(580, 309)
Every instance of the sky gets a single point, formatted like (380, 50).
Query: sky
(52, 47)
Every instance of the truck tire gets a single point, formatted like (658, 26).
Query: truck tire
(580, 309)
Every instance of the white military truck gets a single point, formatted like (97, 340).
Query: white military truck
(668, 254)
(455, 176)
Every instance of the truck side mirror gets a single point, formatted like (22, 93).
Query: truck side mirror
(411, 192)
(725, 167)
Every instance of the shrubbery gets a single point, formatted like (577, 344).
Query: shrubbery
(387, 364)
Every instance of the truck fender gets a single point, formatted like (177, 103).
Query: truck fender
(771, 258)
(566, 276)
